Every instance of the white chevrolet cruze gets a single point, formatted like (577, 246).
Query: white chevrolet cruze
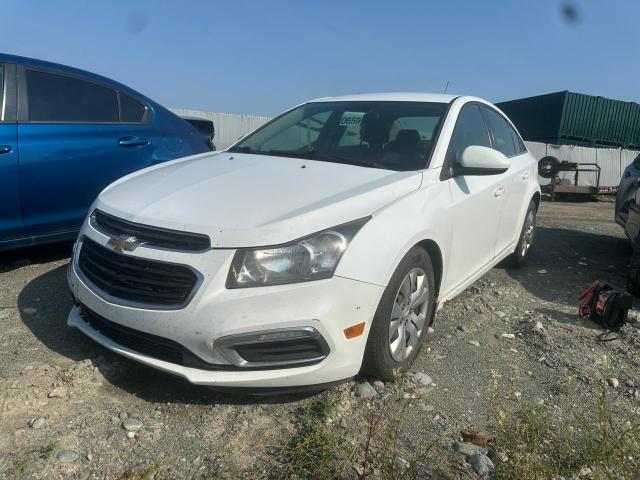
(318, 246)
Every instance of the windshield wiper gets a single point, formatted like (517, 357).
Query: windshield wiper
(289, 153)
(328, 157)
(310, 155)
(242, 150)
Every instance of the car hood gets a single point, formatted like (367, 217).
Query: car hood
(243, 200)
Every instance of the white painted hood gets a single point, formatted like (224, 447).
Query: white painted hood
(243, 200)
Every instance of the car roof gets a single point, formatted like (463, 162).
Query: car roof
(391, 97)
(18, 60)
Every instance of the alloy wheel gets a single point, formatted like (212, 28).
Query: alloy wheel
(529, 232)
(408, 315)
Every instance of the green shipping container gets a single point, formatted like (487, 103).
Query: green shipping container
(567, 118)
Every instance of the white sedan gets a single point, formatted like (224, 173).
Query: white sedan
(317, 247)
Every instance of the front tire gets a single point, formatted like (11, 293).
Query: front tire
(527, 236)
(404, 313)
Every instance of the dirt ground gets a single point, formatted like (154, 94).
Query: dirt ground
(64, 400)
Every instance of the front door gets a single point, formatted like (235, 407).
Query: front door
(10, 214)
(476, 202)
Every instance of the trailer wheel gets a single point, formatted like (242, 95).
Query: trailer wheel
(548, 167)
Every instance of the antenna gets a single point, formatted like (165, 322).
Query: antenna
(446, 87)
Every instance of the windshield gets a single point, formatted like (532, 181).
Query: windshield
(389, 135)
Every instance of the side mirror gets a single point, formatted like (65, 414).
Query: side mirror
(477, 160)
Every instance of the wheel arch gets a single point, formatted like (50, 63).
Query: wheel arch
(433, 249)
(536, 199)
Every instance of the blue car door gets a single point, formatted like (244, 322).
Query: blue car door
(77, 135)
(10, 215)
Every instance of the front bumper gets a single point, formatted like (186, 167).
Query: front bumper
(328, 306)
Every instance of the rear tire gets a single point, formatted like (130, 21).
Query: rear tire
(633, 276)
(527, 235)
(404, 313)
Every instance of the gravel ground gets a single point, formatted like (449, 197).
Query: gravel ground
(71, 409)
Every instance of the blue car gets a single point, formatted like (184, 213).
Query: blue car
(65, 134)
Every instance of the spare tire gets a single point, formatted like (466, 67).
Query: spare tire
(548, 167)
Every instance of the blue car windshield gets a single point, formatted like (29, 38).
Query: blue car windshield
(391, 135)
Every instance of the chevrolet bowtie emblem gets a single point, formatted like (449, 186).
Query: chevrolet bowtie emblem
(124, 244)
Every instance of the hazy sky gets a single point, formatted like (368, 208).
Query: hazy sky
(261, 57)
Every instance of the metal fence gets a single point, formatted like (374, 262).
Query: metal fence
(229, 127)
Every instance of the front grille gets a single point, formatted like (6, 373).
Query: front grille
(136, 279)
(148, 235)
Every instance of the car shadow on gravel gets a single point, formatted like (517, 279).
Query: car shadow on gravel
(563, 263)
(44, 304)
(14, 259)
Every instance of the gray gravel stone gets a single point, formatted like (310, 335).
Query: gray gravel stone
(59, 392)
(401, 464)
(482, 465)
(475, 343)
(37, 422)
(131, 424)
(365, 390)
(469, 449)
(422, 378)
(67, 456)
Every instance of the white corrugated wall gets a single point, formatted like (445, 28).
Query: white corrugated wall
(229, 127)
(612, 162)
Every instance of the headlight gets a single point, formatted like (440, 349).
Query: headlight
(310, 258)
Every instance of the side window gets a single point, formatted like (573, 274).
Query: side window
(501, 133)
(57, 98)
(131, 110)
(520, 148)
(470, 130)
(425, 126)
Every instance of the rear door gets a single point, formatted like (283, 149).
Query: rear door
(10, 216)
(77, 136)
(477, 201)
(515, 180)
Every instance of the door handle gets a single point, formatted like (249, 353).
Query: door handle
(525, 175)
(132, 142)
(498, 192)
(5, 149)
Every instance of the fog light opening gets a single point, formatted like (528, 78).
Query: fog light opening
(274, 348)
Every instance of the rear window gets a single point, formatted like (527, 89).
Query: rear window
(203, 126)
(58, 98)
(132, 110)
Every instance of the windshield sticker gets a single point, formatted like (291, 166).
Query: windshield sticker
(351, 119)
